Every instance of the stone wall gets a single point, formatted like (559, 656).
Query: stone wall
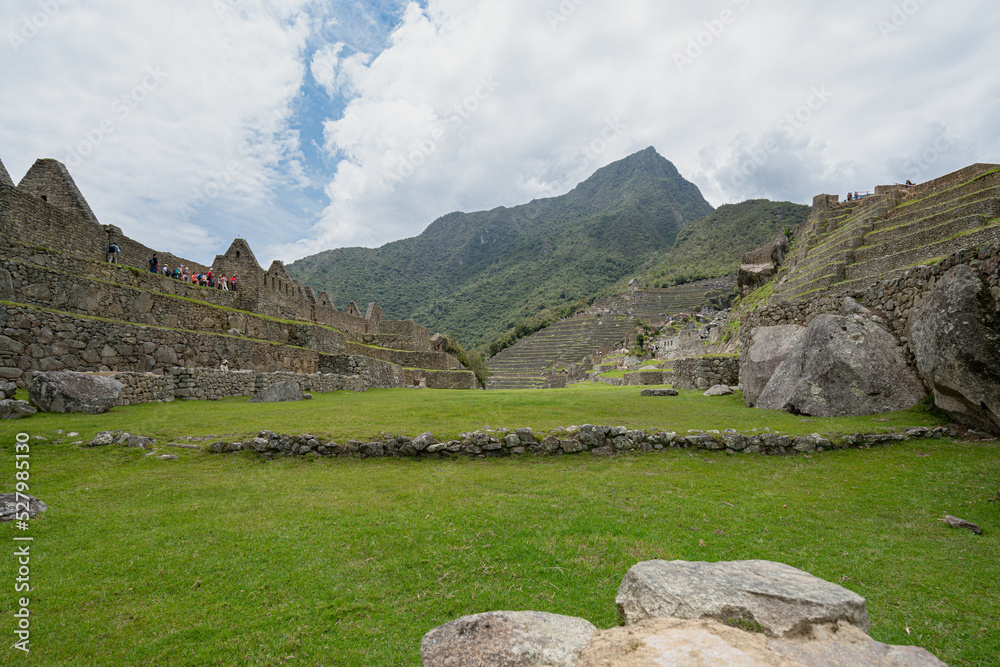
(407, 359)
(208, 384)
(376, 374)
(35, 339)
(320, 383)
(440, 379)
(47, 211)
(146, 305)
(141, 388)
(706, 372)
(892, 299)
(33, 221)
(403, 335)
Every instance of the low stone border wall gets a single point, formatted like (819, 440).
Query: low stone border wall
(706, 372)
(207, 384)
(598, 440)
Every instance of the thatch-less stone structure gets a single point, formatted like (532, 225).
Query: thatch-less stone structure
(63, 306)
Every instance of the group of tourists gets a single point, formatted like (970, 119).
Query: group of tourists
(183, 273)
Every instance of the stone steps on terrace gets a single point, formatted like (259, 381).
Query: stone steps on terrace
(524, 364)
(944, 190)
(888, 265)
(908, 237)
(893, 228)
(515, 383)
(903, 214)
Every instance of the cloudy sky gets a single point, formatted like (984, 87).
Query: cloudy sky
(303, 125)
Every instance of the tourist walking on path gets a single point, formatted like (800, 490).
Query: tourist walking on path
(154, 264)
(113, 252)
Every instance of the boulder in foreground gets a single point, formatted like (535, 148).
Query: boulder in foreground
(11, 409)
(955, 334)
(843, 366)
(507, 639)
(66, 391)
(769, 347)
(780, 599)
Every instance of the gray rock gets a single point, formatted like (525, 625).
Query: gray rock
(279, 392)
(784, 601)
(422, 442)
(658, 642)
(571, 446)
(307, 397)
(720, 390)
(660, 392)
(811, 443)
(9, 506)
(7, 389)
(66, 391)
(955, 336)
(139, 441)
(507, 639)
(868, 653)
(704, 441)
(591, 436)
(6, 285)
(843, 366)
(769, 346)
(10, 409)
(104, 438)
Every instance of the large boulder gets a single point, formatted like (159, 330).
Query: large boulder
(955, 335)
(779, 599)
(279, 392)
(843, 366)
(10, 409)
(769, 346)
(507, 639)
(66, 391)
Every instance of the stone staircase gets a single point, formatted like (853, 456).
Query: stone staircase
(849, 246)
(524, 365)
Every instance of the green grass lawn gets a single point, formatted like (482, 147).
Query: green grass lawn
(447, 413)
(231, 559)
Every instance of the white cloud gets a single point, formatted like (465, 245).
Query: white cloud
(161, 109)
(469, 106)
(325, 64)
(566, 72)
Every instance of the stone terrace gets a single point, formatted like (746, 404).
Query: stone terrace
(525, 364)
(63, 307)
(845, 247)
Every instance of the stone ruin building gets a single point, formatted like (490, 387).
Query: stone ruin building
(64, 307)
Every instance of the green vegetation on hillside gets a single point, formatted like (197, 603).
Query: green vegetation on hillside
(232, 559)
(481, 274)
(714, 245)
